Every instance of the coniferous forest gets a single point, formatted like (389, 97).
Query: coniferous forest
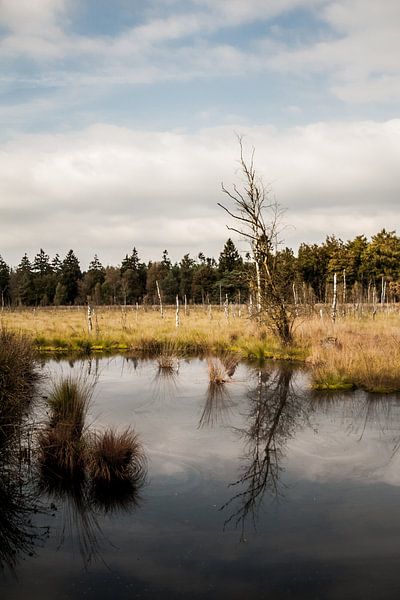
(367, 270)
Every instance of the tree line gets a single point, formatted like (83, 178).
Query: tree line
(367, 270)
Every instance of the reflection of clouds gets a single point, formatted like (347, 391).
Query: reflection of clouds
(354, 438)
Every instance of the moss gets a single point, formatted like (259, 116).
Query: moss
(333, 382)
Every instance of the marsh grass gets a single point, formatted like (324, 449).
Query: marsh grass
(217, 374)
(116, 457)
(368, 357)
(60, 453)
(62, 444)
(69, 401)
(18, 376)
(167, 359)
(365, 355)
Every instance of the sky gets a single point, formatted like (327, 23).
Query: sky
(119, 121)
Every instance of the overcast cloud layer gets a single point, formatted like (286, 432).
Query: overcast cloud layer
(118, 122)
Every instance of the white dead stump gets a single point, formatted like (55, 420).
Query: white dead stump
(226, 307)
(177, 320)
(334, 300)
(160, 300)
(90, 312)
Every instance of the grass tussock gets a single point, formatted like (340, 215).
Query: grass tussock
(217, 374)
(167, 359)
(17, 379)
(62, 443)
(69, 401)
(60, 453)
(116, 457)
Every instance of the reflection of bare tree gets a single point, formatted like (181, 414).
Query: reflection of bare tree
(217, 406)
(275, 413)
(361, 411)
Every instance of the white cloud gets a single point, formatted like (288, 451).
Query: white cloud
(358, 53)
(25, 16)
(360, 57)
(107, 188)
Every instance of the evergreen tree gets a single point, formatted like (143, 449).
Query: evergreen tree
(130, 262)
(232, 279)
(382, 257)
(56, 264)
(4, 282)
(25, 284)
(69, 277)
(204, 281)
(229, 259)
(97, 270)
(41, 263)
(133, 278)
(91, 281)
(186, 270)
(44, 278)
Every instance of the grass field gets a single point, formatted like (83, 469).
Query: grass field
(353, 352)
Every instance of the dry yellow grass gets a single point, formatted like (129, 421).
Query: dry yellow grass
(115, 328)
(354, 352)
(362, 352)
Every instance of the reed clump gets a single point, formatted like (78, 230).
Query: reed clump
(62, 443)
(217, 374)
(17, 378)
(60, 453)
(116, 457)
(167, 359)
(69, 401)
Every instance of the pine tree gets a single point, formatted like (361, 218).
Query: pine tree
(56, 264)
(41, 263)
(4, 282)
(130, 262)
(70, 276)
(229, 259)
(25, 284)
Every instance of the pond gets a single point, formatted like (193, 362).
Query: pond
(257, 488)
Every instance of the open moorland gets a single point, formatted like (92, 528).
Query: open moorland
(358, 350)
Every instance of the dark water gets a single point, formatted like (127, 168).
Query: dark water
(314, 511)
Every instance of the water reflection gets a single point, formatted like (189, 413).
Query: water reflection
(165, 380)
(79, 521)
(276, 412)
(217, 407)
(19, 501)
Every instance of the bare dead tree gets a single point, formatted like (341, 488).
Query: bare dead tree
(251, 206)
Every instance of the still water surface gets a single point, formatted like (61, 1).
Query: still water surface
(260, 489)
